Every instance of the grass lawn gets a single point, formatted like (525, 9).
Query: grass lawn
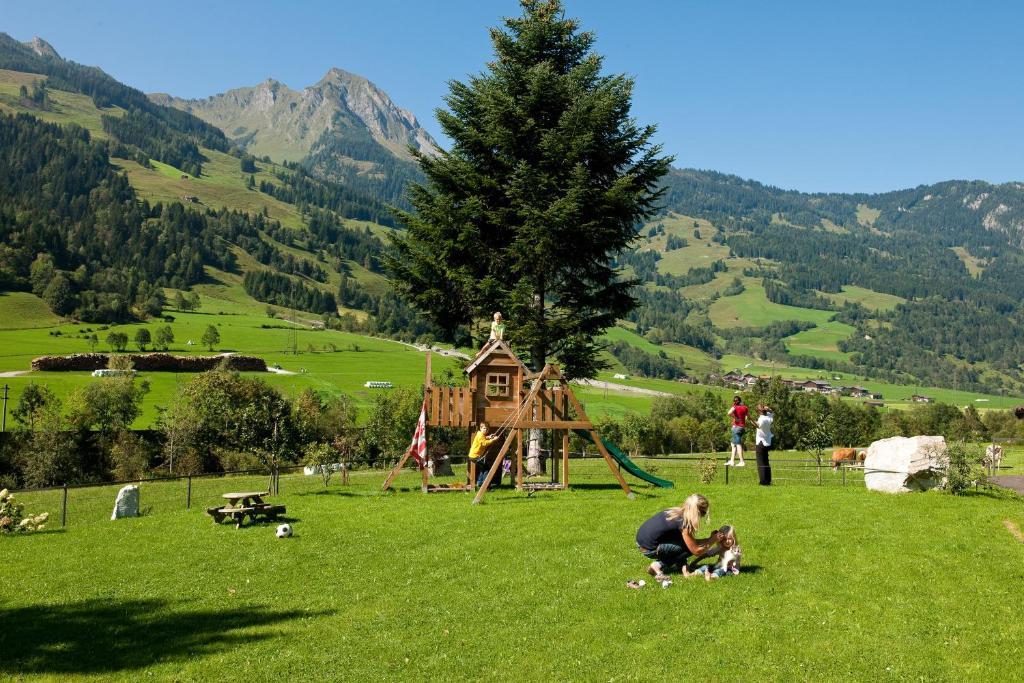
(821, 341)
(839, 584)
(751, 308)
(869, 299)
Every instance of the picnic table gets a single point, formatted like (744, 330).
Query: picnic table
(245, 503)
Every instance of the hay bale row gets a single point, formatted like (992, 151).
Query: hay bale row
(150, 362)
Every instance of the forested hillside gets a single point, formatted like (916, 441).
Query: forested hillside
(918, 286)
(951, 252)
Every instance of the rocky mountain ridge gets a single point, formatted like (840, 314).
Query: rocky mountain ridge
(273, 119)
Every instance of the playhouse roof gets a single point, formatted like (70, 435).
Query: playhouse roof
(489, 350)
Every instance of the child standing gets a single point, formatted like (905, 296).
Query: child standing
(478, 452)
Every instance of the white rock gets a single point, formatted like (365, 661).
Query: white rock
(127, 503)
(900, 464)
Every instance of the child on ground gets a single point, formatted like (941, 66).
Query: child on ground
(668, 538)
(729, 554)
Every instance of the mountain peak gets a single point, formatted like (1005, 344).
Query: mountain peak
(270, 118)
(42, 48)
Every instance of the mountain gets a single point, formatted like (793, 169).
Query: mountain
(343, 128)
(918, 285)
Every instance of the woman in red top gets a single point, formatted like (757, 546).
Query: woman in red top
(738, 413)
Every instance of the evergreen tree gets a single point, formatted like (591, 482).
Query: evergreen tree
(547, 180)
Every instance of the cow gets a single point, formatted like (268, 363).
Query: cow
(841, 455)
(993, 456)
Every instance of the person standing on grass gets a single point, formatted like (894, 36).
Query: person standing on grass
(669, 539)
(478, 452)
(738, 414)
(762, 444)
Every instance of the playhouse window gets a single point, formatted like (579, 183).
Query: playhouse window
(497, 385)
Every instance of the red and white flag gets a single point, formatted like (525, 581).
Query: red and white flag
(418, 447)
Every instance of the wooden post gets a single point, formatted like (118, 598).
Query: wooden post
(188, 494)
(64, 507)
(565, 458)
(519, 459)
(395, 471)
(472, 474)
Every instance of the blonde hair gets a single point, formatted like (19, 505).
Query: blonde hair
(690, 512)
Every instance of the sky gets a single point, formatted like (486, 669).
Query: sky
(844, 95)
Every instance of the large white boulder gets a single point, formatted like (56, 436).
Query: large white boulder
(900, 464)
(127, 503)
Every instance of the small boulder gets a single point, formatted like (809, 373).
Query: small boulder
(900, 464)
(127, 503)
(441, 467)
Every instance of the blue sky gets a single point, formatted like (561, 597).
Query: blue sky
(816, 96)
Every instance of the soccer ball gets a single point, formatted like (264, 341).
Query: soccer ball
(284, 531)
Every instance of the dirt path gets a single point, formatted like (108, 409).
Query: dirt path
(14, 373)
(601, 384)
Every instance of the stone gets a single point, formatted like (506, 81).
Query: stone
(441, 467)
(127, 503)
(900, 464)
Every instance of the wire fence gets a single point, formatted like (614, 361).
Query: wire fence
(94, 503)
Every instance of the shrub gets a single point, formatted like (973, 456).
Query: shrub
(13, 519)
(323, 459)
(707, 468)
(963, 467)
(130, 456)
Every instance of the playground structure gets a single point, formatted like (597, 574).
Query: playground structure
(505, 394)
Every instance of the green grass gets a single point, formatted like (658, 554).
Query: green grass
(975, 266)
(698, 253)
(866, 215)
(869, 299)
(22, 310)
(821, 341)
(751, 308)
(414, 587)
(222, 184)
(65, 107)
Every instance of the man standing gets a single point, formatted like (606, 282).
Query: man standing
(762, 443)
(738, 413)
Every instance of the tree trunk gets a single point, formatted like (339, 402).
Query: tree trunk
(538, 353)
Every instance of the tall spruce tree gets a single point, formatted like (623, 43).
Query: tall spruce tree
(546, 181)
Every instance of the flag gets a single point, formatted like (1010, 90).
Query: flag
(418, 447)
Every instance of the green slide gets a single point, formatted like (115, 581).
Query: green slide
(626, 463)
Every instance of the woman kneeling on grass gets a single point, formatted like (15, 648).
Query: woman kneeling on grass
(668, 538)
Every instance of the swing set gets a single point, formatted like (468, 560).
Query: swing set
(503, 392)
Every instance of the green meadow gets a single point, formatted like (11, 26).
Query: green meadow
(838, 584)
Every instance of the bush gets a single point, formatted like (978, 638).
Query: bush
(963, 467)
(13, 519)
(707, 468)
(130, 456)
(323, 459)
